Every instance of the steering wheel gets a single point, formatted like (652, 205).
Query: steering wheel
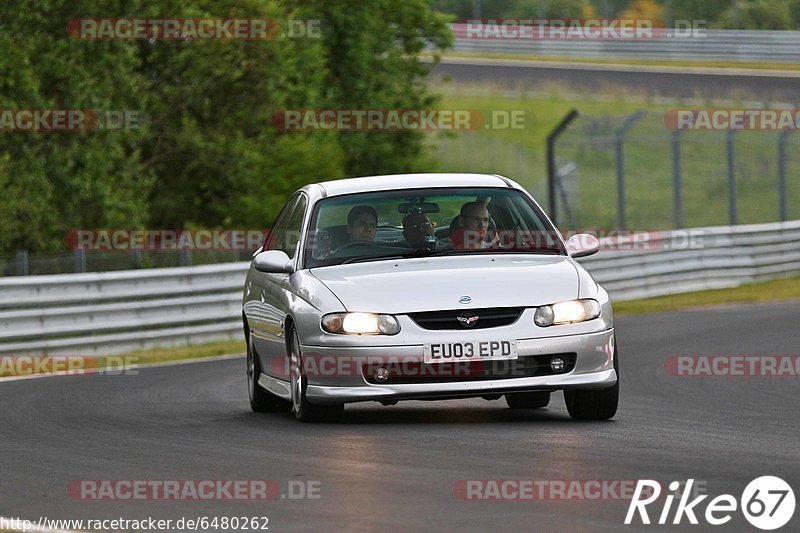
(353, 244)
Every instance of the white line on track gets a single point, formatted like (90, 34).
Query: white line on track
(120, 369)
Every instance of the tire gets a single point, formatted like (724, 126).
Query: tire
(303, 410)
(594, 404)
(528, 400)
(261, 401)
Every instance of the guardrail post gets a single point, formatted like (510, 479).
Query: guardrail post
(732, 215)
(21, 266)
(783, 209)
(677, 195)
(184, 257)
(80, 260)
(551, 162)
(622, 218)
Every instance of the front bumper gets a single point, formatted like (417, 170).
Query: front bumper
(425, 391)
(594, 369)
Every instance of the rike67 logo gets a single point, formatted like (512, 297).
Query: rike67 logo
(767, 503)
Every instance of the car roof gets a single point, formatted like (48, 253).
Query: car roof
(410, 181)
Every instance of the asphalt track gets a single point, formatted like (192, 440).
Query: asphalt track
(394, 468)
(666, 82)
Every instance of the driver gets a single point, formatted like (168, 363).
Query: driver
(362, 223)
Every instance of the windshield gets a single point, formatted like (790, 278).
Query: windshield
(383, 225)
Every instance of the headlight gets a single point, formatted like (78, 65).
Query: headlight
(566, 312)
(360, 324)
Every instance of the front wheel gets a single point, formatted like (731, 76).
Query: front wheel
(261, 401)
(594, 404)
(305, 411)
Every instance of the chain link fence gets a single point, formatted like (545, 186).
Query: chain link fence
(634, 172)
(475, 152)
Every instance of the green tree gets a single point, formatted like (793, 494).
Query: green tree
(208, 155)
(708, 10)
(546, 8)
(463, 9)
(372, 54)
(759, 15)
(53, 181)
(216, 158)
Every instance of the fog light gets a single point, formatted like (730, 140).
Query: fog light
(557, 365)
(382, 374)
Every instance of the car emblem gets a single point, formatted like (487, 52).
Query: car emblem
(467, 319)
(465, 300)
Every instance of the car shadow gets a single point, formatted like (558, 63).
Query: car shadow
(366, 415)
(393, 415)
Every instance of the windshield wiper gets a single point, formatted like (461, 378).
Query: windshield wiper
(422, 252)
(365, 258)
(456, 251)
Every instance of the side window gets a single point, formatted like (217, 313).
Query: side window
(287, 229)
(294, 227)
(279, 226)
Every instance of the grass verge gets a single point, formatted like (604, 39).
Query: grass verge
(197, 351)
(8, 367)
(767, 291)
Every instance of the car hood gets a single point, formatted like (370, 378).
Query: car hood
(438, 283)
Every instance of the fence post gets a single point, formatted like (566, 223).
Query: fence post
(677, 195)
(622, 219)
(21, 267)
(732, 215)
(551, 162)
(783, 209)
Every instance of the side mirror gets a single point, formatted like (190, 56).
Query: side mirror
(583, 245)
(273, 262)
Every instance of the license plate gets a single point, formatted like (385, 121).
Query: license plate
(447, 352)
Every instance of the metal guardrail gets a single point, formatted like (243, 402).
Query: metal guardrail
(699, 259)
(112, 312)
(713, 45)
(103, 313)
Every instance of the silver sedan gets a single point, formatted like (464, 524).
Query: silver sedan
(424, 287)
